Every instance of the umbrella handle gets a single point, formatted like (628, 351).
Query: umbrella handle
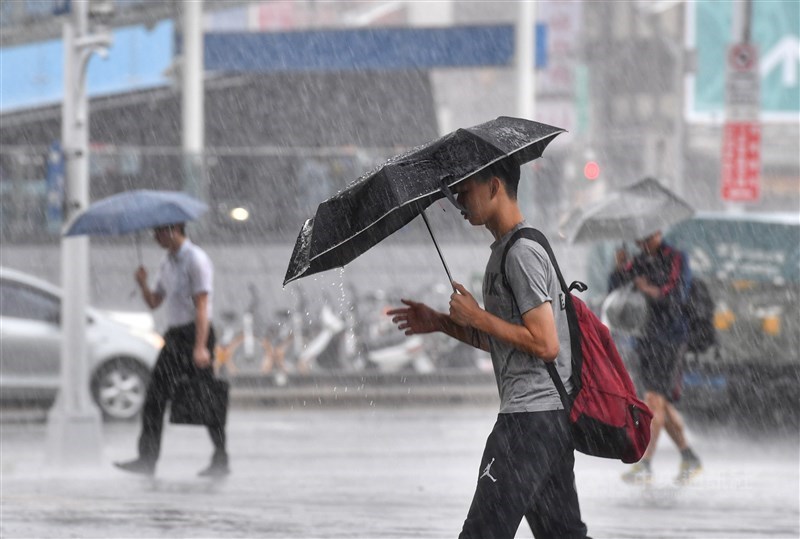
(438, 250)
(137, 240)
(448, 192)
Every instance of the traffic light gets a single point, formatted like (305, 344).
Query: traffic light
(591, 170)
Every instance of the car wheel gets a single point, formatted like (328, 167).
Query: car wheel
(119, 388)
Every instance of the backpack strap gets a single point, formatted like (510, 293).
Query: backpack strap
(572, 317)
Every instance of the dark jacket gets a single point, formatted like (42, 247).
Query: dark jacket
(667, 269)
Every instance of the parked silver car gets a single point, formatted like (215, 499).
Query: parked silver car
(120, 356)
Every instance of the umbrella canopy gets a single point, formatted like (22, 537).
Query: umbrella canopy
(630, 213)
(387, 198)
(132, 211)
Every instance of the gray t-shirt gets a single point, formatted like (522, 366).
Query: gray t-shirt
(522, 379)
(182, 276)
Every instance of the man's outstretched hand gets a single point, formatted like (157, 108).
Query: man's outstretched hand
(415, 318)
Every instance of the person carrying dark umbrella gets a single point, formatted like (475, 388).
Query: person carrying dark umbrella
(660, 272)
(184, 285)
(527, 465)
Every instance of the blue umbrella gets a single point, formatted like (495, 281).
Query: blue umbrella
(132, 211)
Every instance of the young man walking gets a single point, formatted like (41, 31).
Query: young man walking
(184, 285)
(662, 274)
(527, 465)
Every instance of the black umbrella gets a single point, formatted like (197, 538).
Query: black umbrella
(388, 197)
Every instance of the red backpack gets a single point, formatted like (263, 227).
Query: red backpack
(606, 417)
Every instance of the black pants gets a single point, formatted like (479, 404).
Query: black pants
(174, 362)
(526, 470)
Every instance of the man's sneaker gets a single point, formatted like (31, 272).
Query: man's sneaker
(138, 466)
(639, 474)
(690, 468)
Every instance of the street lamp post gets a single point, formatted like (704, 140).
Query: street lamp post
(192, 104)
(524, 54)
(524, 50)
(74, 422)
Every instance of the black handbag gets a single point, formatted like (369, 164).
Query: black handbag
(200, 401)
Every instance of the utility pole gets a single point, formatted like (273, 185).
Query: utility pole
(679, 129)
(525, 52)
(74, 422)
(193, 108)
(677, 52)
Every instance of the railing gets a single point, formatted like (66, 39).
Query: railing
(259, 193)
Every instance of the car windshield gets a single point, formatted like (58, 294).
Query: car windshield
(759, 250)
(750, 263)
(20, 301)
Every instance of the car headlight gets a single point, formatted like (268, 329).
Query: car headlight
(150, 336)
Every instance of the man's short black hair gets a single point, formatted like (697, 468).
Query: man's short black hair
(180, 227)
(507, 170)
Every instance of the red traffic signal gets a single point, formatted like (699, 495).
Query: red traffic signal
(591, 170)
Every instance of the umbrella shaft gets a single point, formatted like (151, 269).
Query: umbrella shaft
(138, 248)
(436, 244)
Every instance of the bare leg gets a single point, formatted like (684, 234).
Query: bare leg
(657, 404)
(224, 354)
(269, 356)
(280, 354)
(219, 359)
(673, 424)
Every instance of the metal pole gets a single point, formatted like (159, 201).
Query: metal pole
(680, 119)
(74, 422)
(193, 119)
(525, 52)
(747, 22)
(438, 250)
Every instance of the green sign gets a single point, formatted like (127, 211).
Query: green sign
(775, 30)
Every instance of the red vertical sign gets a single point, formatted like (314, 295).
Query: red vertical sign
(741, 162)
(741, 146)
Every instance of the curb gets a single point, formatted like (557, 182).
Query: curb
(367, 389)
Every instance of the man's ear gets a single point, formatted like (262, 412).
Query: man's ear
(494, 186)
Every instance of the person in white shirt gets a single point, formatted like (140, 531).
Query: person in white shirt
(184, 285)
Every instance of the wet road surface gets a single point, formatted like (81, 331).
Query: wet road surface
(374, 472)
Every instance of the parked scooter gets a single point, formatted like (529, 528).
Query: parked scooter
(359, 337)
(446, 352)
(239, 347)
(380, 345)
(326, 348)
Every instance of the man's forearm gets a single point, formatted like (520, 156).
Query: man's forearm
(469, 335)
(151, 299)
(529, 338)
(201, 327)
